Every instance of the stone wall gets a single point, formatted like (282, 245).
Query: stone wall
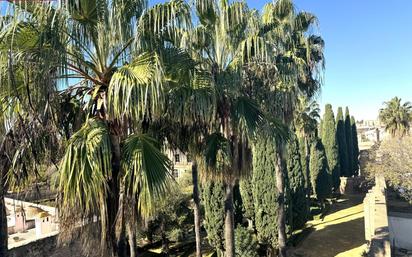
(376, 220)
(46, 247)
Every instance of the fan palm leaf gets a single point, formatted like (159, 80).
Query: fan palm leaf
(86, 166)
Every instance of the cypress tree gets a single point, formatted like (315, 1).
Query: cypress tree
(329, 140)
(298, 204)
(305, 169)
(343, 152)
(319, 174)
(238, 205)
(213, 198)
(248, 209)
(349, 142)
(355, 146)
(246, 243)
(320, 128)
(264, 191)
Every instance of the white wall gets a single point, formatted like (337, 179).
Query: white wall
(400, 230)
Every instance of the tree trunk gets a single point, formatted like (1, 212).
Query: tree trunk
(4, 165)
(196, 208)
(131, 237)
(165, 240)
(229, 222)
(3, 221)
(113, 198)
(280, 184)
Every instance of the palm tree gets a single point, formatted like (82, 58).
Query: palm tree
(298, 58)
(29, 133)
(306, 120)
(215, 44)
(116, 58)
(189, 114)
(396, 117)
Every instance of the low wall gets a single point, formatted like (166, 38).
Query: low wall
(46, 247)
(19, 203)
(350, 185)
(376, 220)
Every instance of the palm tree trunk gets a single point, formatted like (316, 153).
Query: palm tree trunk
(113, 197)
(196, 208)
(280, 185)
(4, 164)
(165, 240)
(131, 237)
(229, 222)
(3, 221)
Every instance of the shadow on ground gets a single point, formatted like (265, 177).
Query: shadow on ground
(333, 239)
(339, 233)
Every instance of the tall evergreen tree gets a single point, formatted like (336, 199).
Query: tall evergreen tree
(304, 163)
(349, 141)
(298, 203)
(355, 146)
(320, 128)
(213, 198)
(319, 174)
(265, 192)
(343, 153)
(329, 140)
(248, 209)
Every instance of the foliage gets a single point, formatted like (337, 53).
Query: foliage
(246, 192)
(173, 216)
(349, 142)
(305, 169)
(136, 74)
(306, 121)
(342, 143)
(396, 117)
(393, 160)
(319, 175)
(307, 117)
(355, 146)
(246, 243)
(265, 192)
(110, 57)
(298, 204)
(238, 205)
(213, 199)
(329, 140)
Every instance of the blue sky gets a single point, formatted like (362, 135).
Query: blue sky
(368, 51)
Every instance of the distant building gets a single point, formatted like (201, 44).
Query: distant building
(23, 217)
(370, 131)
(182, 162)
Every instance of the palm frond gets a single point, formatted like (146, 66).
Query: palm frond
(136, 89)
(217, 156)
(194, 103)
(206, 11)
(304, 20)
(147, 171)
(86, 166)
(248, 115)
(162, 19)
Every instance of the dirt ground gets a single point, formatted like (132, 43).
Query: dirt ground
(340, 233)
